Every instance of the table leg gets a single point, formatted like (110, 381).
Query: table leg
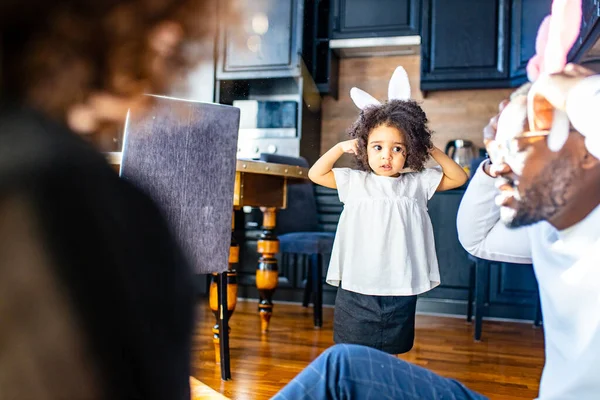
(224, 283)
(267, 271)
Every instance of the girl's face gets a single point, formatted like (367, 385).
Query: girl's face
(386, 150)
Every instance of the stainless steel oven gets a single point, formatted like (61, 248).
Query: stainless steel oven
(268, 126)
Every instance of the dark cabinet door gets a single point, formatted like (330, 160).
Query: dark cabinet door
(526, 17)
(464, 44)
(372, 18)
(589, 34)
(512, 287)
(452, 258)
(267, 37)
(590, 12)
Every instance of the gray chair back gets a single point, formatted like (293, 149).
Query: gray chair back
(183, 155)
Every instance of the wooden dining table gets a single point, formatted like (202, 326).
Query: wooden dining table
(261, 185)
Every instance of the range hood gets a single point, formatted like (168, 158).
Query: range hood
(376, 47)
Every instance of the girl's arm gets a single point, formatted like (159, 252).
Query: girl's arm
(321, 172)
(454, 175)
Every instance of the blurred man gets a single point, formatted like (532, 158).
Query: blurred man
(555, 196)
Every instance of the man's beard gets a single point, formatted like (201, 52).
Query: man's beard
(545, 197)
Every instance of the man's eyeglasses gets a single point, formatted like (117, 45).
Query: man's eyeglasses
(503, 151)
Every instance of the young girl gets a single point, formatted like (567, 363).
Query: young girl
(384, 254)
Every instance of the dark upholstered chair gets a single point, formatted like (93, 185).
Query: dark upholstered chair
(479, 291)
(299, 235)
(183, 154)
(479, 285)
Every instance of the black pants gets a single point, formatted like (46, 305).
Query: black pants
(386, 323)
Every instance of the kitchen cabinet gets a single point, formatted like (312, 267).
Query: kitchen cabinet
(452, 257)
(266, 41)
(487, 44)
(372, 18)
(589, 19)
(513, 288)
(260, 59)
(321, 62)
(526, 17)
(465, 44)
(586, 50)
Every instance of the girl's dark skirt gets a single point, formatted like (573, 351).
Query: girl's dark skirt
(386, 323)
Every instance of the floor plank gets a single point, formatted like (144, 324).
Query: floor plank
(201, 391)
(506, 365)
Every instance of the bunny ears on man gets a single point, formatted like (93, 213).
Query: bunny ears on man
(398, 89)
(556, 35)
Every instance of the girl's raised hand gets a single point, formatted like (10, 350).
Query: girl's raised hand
(349, 146)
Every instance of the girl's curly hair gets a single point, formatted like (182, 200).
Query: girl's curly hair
(406, 116)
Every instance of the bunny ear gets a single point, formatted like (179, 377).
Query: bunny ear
(556, 35)
(534, 67)
(562, 34)
(536, 63)
(542, 36)
(363, 99)
(399, 87)
(559, 133)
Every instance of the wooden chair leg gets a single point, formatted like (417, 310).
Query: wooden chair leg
(317, 281)
(224, 328)
(481, 290)
(471, 292)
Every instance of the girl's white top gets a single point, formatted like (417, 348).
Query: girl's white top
(384, 242)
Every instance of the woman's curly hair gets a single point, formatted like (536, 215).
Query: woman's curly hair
(54, 53)
(406, 116)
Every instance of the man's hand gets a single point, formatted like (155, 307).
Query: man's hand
(489, 131)
(550, 92)
(489, 135)
(555, 88)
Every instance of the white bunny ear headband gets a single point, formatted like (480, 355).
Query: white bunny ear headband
(556, 35)
(398, 89)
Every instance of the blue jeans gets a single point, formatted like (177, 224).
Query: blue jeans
(349, 371)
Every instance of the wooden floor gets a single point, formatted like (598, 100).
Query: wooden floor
(506, 365)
